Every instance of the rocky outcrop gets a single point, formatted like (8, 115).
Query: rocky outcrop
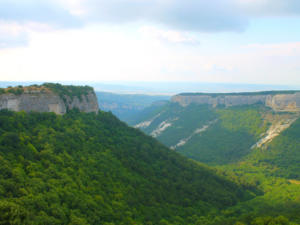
(197, 131)
(284, 102)
(46, 100)
(274, 130)
(278, 102)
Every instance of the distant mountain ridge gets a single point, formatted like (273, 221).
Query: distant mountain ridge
(127, 106)
(49, 97)
(221, 128)
(288, 101)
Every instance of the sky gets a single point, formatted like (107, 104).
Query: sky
(216, 41)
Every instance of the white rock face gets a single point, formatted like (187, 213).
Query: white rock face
(162, 127)
(278, 102)
(48, 102)
(147, 123)
(287, 103)
(274, 131)
(197, 131)
(12, 104)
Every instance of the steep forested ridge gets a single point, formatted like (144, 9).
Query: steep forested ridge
(251, 144)
(282, 155)
(83, 168)
(207, 134)
(230, 138)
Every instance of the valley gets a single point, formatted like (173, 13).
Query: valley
(149, 112)
(127, 106)
(205, 127)
(226, 164)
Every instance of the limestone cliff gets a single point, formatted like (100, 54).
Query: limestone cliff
(288, 101)
(49, 98)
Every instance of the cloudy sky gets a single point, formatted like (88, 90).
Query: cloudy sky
(230, 41)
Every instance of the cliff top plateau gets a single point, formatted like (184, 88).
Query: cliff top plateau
(49, 97)
(285, 101)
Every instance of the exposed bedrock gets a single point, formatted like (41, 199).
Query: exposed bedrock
(278, 102)
(48, 102)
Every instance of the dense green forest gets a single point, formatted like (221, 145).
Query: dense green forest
(227, 143)
(184, 121)
(87, 168)
(213, 135)
(84, 168)
(282, 155)
(230, 138)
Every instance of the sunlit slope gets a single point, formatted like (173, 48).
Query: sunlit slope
(207, 134)
(215, 135)
(282, 154)
(83, 168)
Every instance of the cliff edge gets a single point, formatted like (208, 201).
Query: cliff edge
(49, 97)
(285, 101)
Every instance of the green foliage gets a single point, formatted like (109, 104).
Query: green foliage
(270, 174)
(83, 168)
(228, 137)
(282, 155)
(248, 119)
(11, 213)
(280, 220)
(62, 90)
(184, 121)
(218, 145)
(68, 90)
(13, 90)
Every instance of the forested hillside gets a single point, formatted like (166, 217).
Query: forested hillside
(83, 168)
(274, 169)
(282, 155)
(251, 144)
(230, 138)
(211, 135)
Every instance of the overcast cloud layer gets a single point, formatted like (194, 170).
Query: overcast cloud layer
(41, 11)
(204, 40)
(188, 15)
(199, 15)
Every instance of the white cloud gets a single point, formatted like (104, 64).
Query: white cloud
(107, 54)
(269, 7)
(75, 7)
(171, 36)
(15, 34)
(168, 51)
(178, 18)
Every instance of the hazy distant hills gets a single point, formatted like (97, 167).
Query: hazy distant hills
(219, 129)
(162, 88)
(127, 106)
